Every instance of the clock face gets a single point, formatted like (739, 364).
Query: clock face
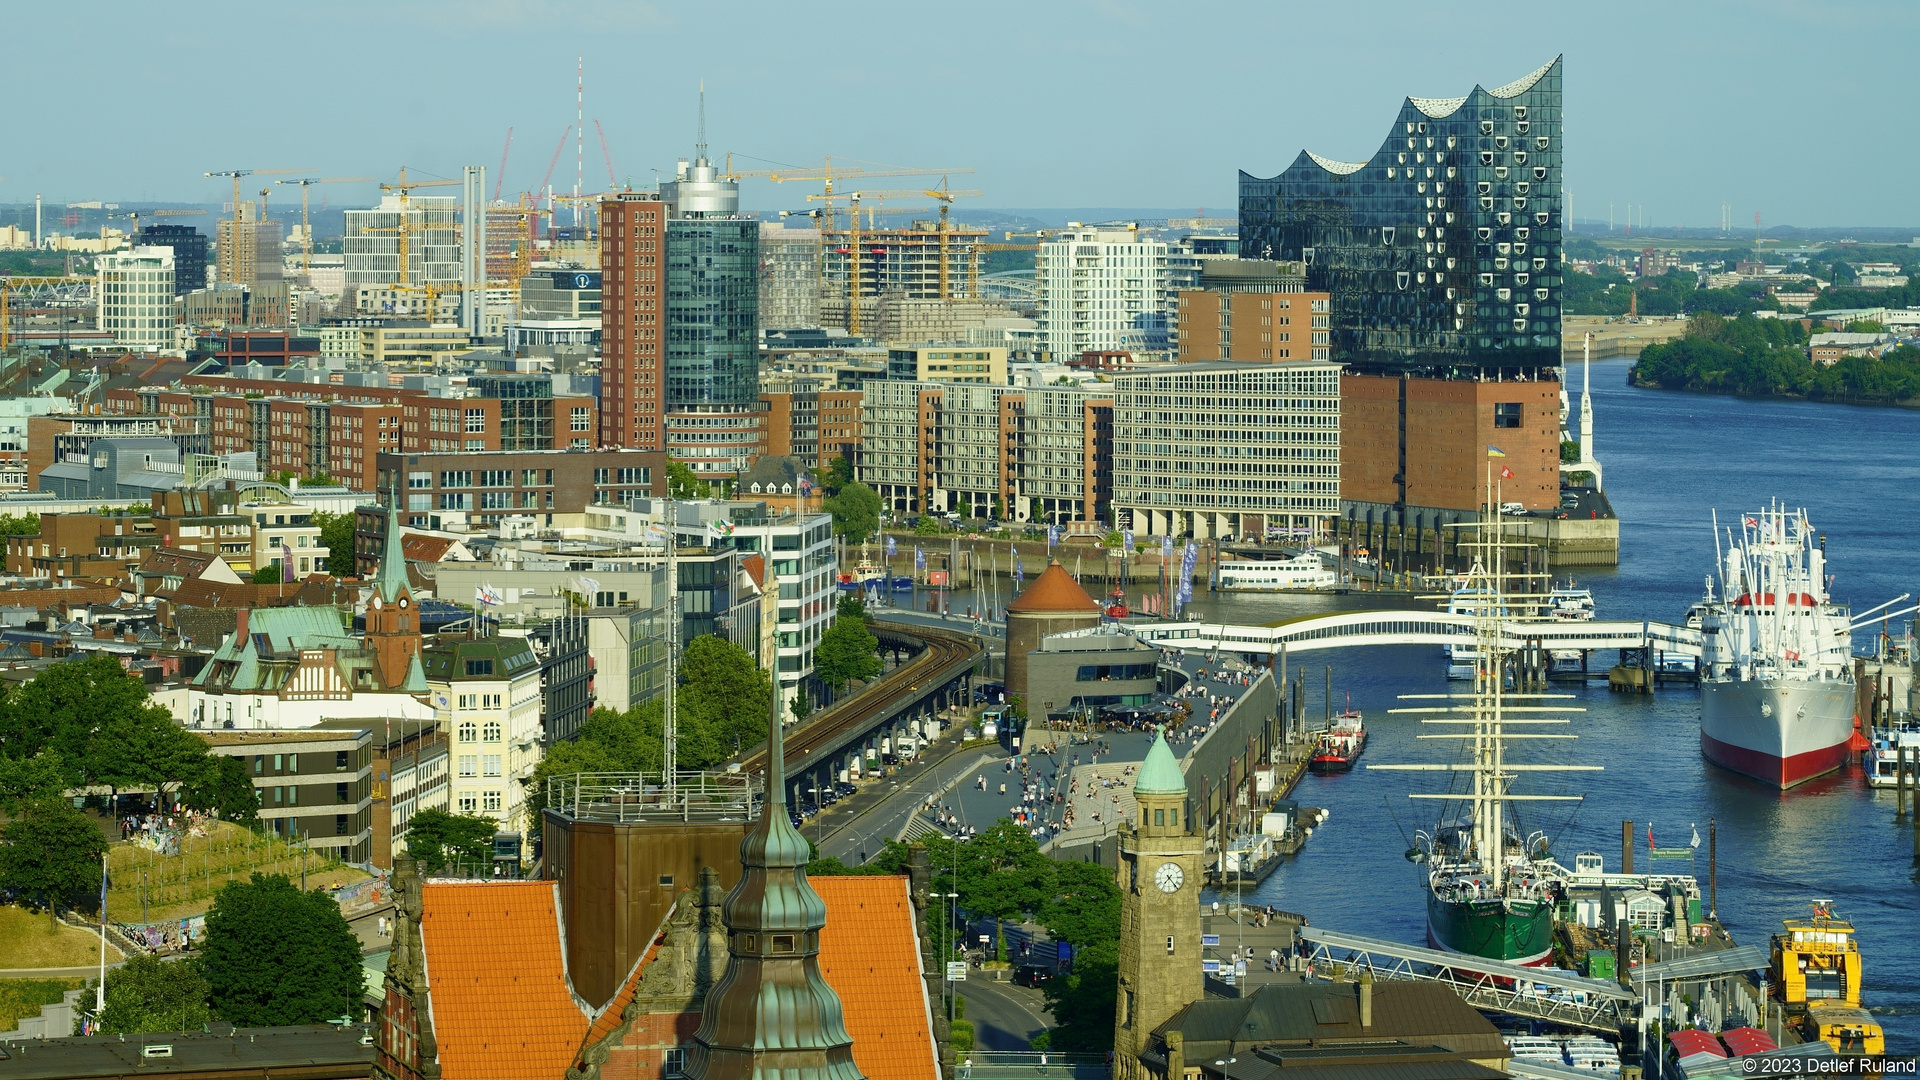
(1168, 877)
(376, 603)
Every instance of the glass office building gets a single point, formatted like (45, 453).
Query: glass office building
(1442, 251)
(713, 296)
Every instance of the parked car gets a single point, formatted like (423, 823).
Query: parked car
(1029, 975)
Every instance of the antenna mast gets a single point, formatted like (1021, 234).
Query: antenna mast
(579, 132)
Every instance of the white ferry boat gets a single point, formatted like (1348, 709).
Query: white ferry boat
(1303, 572)
(1884, 755)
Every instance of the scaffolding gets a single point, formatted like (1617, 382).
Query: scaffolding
(895, 261)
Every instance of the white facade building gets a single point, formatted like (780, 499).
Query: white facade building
(1227, 448)
(134, 291)
(1102, 290)
(486, 696)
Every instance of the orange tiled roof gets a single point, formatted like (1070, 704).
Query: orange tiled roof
(422, 548)
(1054, 592)
(870, 954)
(609, 1017)
(756, 568)
(502, 1006)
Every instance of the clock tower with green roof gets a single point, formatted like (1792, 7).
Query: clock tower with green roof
(1159, 909)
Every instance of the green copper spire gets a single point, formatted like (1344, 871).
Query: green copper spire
(393, 562)
(1160, 774)
(772, 1016)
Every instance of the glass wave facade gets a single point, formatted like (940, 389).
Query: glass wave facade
(1442, 251)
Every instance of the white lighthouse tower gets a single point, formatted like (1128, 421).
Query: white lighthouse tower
(1587, 463)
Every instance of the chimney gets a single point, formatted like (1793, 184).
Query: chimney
(1366, 1000)
(240, 627)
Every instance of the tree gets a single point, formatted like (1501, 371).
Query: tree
(51, 851)
(850, 605)
(800, 707)
(856, 512)
(1084, 909)
(839, 475)
(723, 702)
(223, 789)
(276, 956)
(1002, 873)
(577, 755)
(926, 526)
(269, 574)
(1082, 1002)
(19, 524)
(847, 652)
(28, 780)
(336, 534)
(682, 483)
(437, 839)
(149, 994)
(102, 724)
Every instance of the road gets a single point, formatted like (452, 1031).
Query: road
(1005, 1016)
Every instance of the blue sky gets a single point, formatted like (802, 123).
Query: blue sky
(1797, 110)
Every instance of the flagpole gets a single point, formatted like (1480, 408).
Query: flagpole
(100, 991)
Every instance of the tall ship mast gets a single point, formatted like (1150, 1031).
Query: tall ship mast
(1490, 893)
(1776, 687)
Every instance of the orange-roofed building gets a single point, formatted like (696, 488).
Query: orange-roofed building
(1055, 602)
(477, 983)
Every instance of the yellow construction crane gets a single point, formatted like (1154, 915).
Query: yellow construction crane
(306, 226)
(946, 196)
(407, 228)
(827, 174)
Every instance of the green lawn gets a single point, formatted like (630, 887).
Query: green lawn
(26, 942)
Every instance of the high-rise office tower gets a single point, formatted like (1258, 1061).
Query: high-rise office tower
(680, 319)
(189, 253)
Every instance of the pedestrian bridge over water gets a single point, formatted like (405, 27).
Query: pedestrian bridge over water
(1355, 628)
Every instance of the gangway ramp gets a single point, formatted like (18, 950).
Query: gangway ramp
(1549, 994)
(1706, 965)
(1356, 628)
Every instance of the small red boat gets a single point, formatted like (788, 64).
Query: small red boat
(1340, 745)
(1117, 605)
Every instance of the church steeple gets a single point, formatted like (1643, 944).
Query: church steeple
(772, 1016)
(392, 621)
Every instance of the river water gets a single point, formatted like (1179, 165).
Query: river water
(1669, 458)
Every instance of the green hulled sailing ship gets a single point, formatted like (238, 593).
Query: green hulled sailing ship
(1489, 892)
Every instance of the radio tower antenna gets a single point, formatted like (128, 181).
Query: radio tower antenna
(579, 132)
(700, 138)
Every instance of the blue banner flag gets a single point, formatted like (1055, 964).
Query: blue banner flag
(1126, 541)
(1166, 547)
(919, 558)
(890, 547)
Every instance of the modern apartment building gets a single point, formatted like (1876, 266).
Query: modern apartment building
(315, 786)
(487, 488)
(984, 365)
(1015, 453)
(1102, 289)
(1227, 449)
(1250, 309)
(134, 292)
(633, 267)
(373, 242)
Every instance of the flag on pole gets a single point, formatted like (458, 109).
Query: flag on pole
(1650, 844)
(590, 587)
(1126, 540)
(720, 530)
(890, 547)
(1053, 536)
(806, 486)
(1494, 451)
(1696, 836)
(1166, 547)
(286, 563)
(1019, 569)
(1506, 473)
(488, 596)
(919, 557)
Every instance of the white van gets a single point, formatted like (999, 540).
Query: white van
(1511, 508)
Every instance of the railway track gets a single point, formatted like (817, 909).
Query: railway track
(932, 665)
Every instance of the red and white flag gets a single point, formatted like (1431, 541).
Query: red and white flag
(1506, 473)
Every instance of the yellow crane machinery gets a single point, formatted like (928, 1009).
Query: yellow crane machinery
(827, 174)
(20, 283)
(406, 228)
(946, 196)
(306, 225)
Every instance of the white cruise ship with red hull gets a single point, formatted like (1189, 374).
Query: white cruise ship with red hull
(1776, 688)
